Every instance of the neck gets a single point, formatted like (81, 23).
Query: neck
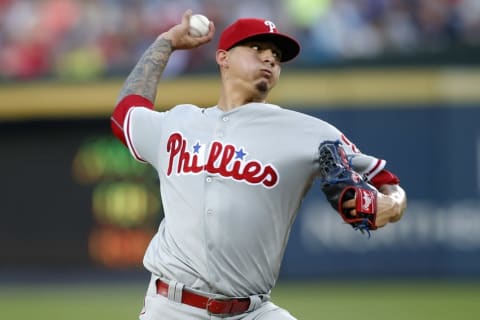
(227, 104)
(233, 97)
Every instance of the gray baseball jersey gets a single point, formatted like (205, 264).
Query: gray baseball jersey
(231, 184)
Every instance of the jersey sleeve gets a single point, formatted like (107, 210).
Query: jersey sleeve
(120, 112)
(384, 177)
(142, 129)
(371, 168)
(366, 165)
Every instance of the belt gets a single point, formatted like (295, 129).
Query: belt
(212, 305)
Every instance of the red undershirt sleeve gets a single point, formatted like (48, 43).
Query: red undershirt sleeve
(384, 177)
(119, 113)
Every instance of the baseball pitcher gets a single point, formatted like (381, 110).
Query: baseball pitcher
(232, 176)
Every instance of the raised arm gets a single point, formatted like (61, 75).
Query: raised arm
(144, 78)
(140, 88)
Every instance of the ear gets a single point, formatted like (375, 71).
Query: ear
(222, 58)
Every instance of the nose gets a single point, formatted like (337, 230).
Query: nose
(268, 56)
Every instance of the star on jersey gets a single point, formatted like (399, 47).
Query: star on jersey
(222, 159)
(196, 147)
(240, 154)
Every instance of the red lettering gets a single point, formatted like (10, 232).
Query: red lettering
(183, 159)
(269, 177)
(220, 161)
(227, 157)
(251, 171)
(195, 167)
(188, 163)
(236, 170)
(173, 147)
(215, 152)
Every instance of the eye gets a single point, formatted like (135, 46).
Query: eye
(277, 54)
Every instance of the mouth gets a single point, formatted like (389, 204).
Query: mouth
(266, 73)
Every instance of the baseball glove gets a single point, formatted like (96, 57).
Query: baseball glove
(340, 183)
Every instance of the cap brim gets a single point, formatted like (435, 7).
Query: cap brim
(290, 47)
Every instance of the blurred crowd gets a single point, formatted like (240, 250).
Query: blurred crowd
(90, 39)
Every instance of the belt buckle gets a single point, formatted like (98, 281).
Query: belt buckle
(219, 307)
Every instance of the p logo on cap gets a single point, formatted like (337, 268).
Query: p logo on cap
(271, 25)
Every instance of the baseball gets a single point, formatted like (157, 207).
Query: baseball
(199, 25)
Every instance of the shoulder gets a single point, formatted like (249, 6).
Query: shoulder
(186, 107)
(293, 115)
(273, 108)
(185, 112)
(181, 110)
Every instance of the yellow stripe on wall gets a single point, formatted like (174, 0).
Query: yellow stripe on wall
(319, 89)
(381, 87)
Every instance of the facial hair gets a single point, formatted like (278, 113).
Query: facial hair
(262, 87)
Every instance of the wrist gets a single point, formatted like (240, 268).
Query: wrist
(395, 205)
(400, 203)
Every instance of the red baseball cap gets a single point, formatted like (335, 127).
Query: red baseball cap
(258, 29)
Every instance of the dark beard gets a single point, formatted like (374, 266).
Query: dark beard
(262, 87)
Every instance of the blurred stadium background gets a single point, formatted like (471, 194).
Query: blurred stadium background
(400, 77)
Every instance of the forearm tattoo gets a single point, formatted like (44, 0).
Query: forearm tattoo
(144, 78)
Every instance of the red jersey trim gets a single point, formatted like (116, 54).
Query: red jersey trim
(377, 167)
(128, 137)
(384, 177)
(117, 120)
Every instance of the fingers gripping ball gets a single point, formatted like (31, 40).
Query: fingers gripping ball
(199, 25)
(341, 183)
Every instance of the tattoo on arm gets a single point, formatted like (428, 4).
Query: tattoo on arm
(144, 78)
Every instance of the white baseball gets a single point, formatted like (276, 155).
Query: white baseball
(199, 25)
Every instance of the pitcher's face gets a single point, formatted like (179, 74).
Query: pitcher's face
(256, 62)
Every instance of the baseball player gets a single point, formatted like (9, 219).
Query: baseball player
(232, 176)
